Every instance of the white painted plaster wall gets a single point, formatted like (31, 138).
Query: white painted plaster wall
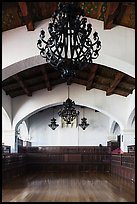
(6, 123)
(7, 104)
(8, 136)
(131, 105)
(114, 106)
(42, 135)
(128, 139)
(118, 51)
(24, 131)
(118, 47)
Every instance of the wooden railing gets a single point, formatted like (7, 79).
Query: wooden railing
(123, 165)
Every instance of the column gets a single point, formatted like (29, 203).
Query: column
(8, 138)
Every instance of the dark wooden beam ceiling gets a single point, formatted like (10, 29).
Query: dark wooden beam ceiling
(44, 76)
(79, 81)
(92, 76)
(26, 15)
(46, 79)
(114, 84)
(110, 14)
(25, 89)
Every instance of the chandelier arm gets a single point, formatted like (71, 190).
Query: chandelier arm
(59, 45)
(43, 55)
(96, 43)
(83, 45)
(40, 46)
(71, 44)
(77, 43)
(66, 39)
(44, 41)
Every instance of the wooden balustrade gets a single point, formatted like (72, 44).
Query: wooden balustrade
(123, 165)
(84, 158)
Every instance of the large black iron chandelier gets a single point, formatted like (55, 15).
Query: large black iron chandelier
(70, 47)
(68, 113)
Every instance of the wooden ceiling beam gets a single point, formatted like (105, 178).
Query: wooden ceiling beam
(22, 85)
(79, 81)
(114, 84)
(111, 12)
(92, 76)
(69, 82)
(46, 79)
(26, 15)
(10, 86)
(58, 81)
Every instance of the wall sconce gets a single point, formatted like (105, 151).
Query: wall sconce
(53, 125)
(84, 123)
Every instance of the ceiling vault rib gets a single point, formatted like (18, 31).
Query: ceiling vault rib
(114, 84)
(17, 78)
(91, 76)
(26, 15)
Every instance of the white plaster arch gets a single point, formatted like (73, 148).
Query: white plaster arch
(118, 53)
(131, 120)
(22, 65)
(23, 130)
(24, 106)
(6, 129)
(112, 127)
(7, 104)
(115, 127)
(6, 122)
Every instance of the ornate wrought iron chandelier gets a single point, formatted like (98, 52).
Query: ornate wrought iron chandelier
(68, 113)
(84, 123)
(70, 47)
(53, 125)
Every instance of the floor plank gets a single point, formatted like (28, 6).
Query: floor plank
(69, 187)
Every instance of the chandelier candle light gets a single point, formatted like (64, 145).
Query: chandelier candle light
(70, 48)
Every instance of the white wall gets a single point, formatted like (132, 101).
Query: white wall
(19, 52)
(8, 134)
(131, 106)
(6, 128)
(23, 131)
(118, 48)
(7, 104)
(42, 135)
(114, 106)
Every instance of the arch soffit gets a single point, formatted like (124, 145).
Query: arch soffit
(38, 60)
(78, 104)
(131, 118)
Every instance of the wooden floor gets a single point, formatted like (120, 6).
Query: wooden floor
(69, 187)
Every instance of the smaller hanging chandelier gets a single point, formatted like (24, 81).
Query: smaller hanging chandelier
(68, 113)
(53, 124)
(84, 123)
